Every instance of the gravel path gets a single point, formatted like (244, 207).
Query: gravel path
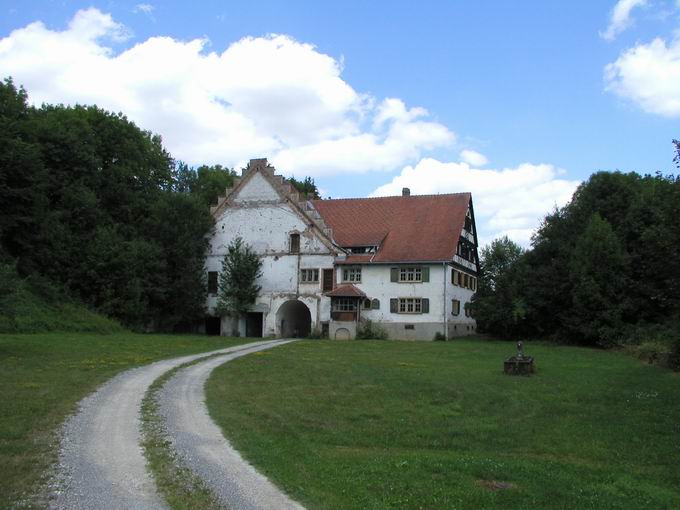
(201, 445)
(101, 463)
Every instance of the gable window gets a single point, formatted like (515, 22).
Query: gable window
(309, 276)
(351, 274)
(295, 243)
(455, 307)
(212, 282)
(410, 274)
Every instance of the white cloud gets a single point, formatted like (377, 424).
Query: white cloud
(473, 158)
(649, 75)
(620, 18)
(509, 201)
(266, 96)
(145, 8)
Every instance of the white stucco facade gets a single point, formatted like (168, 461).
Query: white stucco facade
(262, 210)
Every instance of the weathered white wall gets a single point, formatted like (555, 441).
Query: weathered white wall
(375, 282)
(262, 219)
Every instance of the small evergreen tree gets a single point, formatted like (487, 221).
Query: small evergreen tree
(238, 289)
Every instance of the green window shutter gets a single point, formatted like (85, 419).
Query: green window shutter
(394, 274)
(426, 274)
(426, 305)
(394, 305)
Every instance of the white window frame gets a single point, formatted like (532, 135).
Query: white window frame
(410, 275)
(410, 305)
(351, 274)
(309, 275)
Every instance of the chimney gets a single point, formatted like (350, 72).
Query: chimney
(405, 192)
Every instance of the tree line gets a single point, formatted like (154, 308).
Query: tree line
(97, 208)
(603, 270)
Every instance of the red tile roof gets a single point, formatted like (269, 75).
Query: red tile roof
(347, 290)
(417, 228)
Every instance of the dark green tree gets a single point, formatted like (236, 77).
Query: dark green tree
(598, 270)
(306, 187)
(499, 304)
(238, 286)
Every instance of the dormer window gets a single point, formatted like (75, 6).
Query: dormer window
(295, 243)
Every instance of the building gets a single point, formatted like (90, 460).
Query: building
(406, 262)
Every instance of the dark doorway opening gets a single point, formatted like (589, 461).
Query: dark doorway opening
(294, 319)
(254, 324)
(213, 326)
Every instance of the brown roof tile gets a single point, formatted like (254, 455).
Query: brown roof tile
(347, 290)
(417, 228)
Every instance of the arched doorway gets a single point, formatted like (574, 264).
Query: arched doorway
(293, 319)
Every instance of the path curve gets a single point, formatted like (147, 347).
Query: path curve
(101, 462)
(200, 444)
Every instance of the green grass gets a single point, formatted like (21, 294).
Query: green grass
(42, 378)
(35, 306)
(370, 424)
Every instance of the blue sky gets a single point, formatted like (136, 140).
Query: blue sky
(524, 84)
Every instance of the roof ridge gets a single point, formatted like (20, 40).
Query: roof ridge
(393, 196)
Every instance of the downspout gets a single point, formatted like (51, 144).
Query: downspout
(446, 327)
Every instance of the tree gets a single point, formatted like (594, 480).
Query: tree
(598, 271)
(499, 305)
(238, 286)
(306, 187)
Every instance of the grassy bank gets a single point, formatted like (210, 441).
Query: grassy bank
(42, 377)
(437, 425)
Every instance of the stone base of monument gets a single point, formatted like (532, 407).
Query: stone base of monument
(519, 366)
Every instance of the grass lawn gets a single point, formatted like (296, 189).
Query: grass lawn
(371, 424)
(42, 378)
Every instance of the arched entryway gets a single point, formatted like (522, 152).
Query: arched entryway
(293, 319)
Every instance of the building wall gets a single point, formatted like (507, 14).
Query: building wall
(375, 282)
(262, 219)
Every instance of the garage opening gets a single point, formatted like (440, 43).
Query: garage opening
(293, 319)
(213, 326)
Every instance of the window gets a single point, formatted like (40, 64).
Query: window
(455, 307)
(465, 281)
(409, 326)
(351, 274)
(367, 304)
(295, 243)
(327, 280)
(473, 283)
(309, 276)
(344, 304)
(410, 305)
(375, 304)
(212, 282)
(410, 274)
(468, 310)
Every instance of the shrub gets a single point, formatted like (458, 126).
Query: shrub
(368, 330)
(315, 334)
(439, 337)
